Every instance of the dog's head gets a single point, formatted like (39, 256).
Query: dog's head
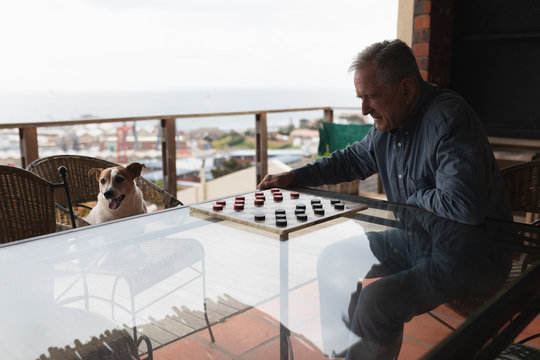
(116, 183)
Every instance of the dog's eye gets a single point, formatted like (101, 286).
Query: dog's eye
(118, 179)
(102, 181)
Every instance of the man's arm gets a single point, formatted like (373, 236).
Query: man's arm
(355, 162)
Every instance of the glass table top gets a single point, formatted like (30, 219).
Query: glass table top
(346, 287)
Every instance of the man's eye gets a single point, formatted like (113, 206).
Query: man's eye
(103, 181)
(369, 97)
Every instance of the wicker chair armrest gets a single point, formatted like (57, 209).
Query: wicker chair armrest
(62, 227)
(63, 217)
(153, 193)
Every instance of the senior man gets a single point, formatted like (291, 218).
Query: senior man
(427, 144)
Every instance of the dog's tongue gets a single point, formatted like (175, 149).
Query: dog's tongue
(114, 203)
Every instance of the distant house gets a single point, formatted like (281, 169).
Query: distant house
(306, 139)
(285, 155)
(305, 134)
(237, 182)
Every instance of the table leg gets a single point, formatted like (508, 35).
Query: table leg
(284, 333)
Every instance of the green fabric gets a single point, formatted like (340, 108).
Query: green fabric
(334, 137)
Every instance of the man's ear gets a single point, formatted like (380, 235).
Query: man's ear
(408, 89)
(134, 169)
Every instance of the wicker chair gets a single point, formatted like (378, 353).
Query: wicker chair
(523, 187)
(27, 204)
(84, 189)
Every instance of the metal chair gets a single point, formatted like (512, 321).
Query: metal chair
(27, 204)
(84, 188)
(142, 265)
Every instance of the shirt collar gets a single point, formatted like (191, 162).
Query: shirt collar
(427, 91)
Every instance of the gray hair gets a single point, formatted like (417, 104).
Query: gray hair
(394, 61)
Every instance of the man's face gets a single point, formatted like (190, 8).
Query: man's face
(385, 103)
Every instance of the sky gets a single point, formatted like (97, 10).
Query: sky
(159, 45)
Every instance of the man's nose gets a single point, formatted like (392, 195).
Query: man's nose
(366, 109)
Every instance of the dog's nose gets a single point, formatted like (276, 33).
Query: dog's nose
(108, 194)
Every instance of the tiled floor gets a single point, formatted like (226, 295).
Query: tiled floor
(254, 335)
(246, 336)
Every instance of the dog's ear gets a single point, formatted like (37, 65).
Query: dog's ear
(134, 169)
(95, 171)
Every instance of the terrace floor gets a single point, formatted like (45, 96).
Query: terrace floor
(253, 334)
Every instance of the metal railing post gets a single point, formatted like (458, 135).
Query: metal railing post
(168, 154)
(29, 145)
(261, 146)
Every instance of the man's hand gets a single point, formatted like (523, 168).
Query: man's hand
(280, 180)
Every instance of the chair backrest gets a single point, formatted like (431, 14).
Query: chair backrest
(84, 188)
(27, 206)
(523, 186)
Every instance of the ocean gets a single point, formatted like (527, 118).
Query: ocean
(23, 107)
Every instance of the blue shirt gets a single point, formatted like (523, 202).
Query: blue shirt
(439, 159)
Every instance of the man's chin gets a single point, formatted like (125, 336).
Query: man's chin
(380, 126)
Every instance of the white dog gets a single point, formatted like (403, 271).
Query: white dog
(118, 195)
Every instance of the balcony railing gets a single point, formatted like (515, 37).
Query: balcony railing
(29, 146)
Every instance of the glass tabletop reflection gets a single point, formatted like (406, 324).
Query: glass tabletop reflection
(350, 287)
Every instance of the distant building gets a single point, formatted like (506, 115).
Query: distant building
(306, 139)
(237, 182)
(287, 156)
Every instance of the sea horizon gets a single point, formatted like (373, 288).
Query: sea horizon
(42, 106)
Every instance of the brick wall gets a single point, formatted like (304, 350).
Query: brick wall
(432, 39)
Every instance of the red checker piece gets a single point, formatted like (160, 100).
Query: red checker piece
(278, 198)
(221, 202)
(295, 195)
(259, 202)
(275, 190)
(241, 198)
(238, 207)
(218, 207)
(259, 193)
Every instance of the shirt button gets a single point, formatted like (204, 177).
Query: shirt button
(399, 176)
(399, 144)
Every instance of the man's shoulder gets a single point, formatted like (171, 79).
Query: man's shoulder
(446, 110)
(447, 104)
(446, 97)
